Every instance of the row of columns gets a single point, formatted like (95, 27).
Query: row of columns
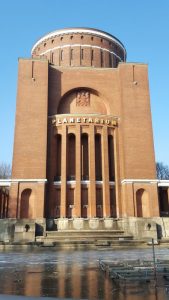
(92, 173)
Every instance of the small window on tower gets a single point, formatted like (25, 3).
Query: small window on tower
(61, 55)
(71, 54)
(52, 57)
(110, 60)
(82, 53)
(101, 58)
(92, 55)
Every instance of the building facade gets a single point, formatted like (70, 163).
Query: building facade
(83, 143)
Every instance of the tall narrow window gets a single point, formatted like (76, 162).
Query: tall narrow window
(115, 61)
(143, 204)
(92, 54)
(101, 57)
(52, 57)
(84, 157)
(111, 158)
(110, 60)
(25, 204)
(58, 157)
(71, 54)
(61, 55)
(163, 197)
(98, 157)
(71, 157)
(82, 53)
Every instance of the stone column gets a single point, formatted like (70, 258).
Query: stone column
(92, 173)
(63, 172)
(78, 173)
(105, 173)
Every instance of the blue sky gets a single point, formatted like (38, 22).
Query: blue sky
(142, 26)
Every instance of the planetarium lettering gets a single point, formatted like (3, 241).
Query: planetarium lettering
(58, 121)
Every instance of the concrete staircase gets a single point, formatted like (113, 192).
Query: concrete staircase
(91, 238)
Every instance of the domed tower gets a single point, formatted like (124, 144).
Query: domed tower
(83, 147)
(80, 47)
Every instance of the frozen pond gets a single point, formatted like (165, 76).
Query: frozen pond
(72, 274)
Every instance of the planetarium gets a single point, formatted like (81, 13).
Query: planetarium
(83, 146)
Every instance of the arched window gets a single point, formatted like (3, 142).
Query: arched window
(142, 202)
(25, 204)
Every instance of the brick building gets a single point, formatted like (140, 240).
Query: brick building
(83, 143)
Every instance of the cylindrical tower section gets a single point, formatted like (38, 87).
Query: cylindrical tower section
(81, 47)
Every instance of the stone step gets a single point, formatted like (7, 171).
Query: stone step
(81, 233)
(91, 243)
(92, 238)
(114, 237)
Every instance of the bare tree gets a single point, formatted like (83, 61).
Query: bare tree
(5, 170)
(162, 171)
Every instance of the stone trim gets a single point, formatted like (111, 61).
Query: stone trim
(83, 115)
(163, 183)
(126, 181)
(83, 182)
(149, 181)
(7, 182)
